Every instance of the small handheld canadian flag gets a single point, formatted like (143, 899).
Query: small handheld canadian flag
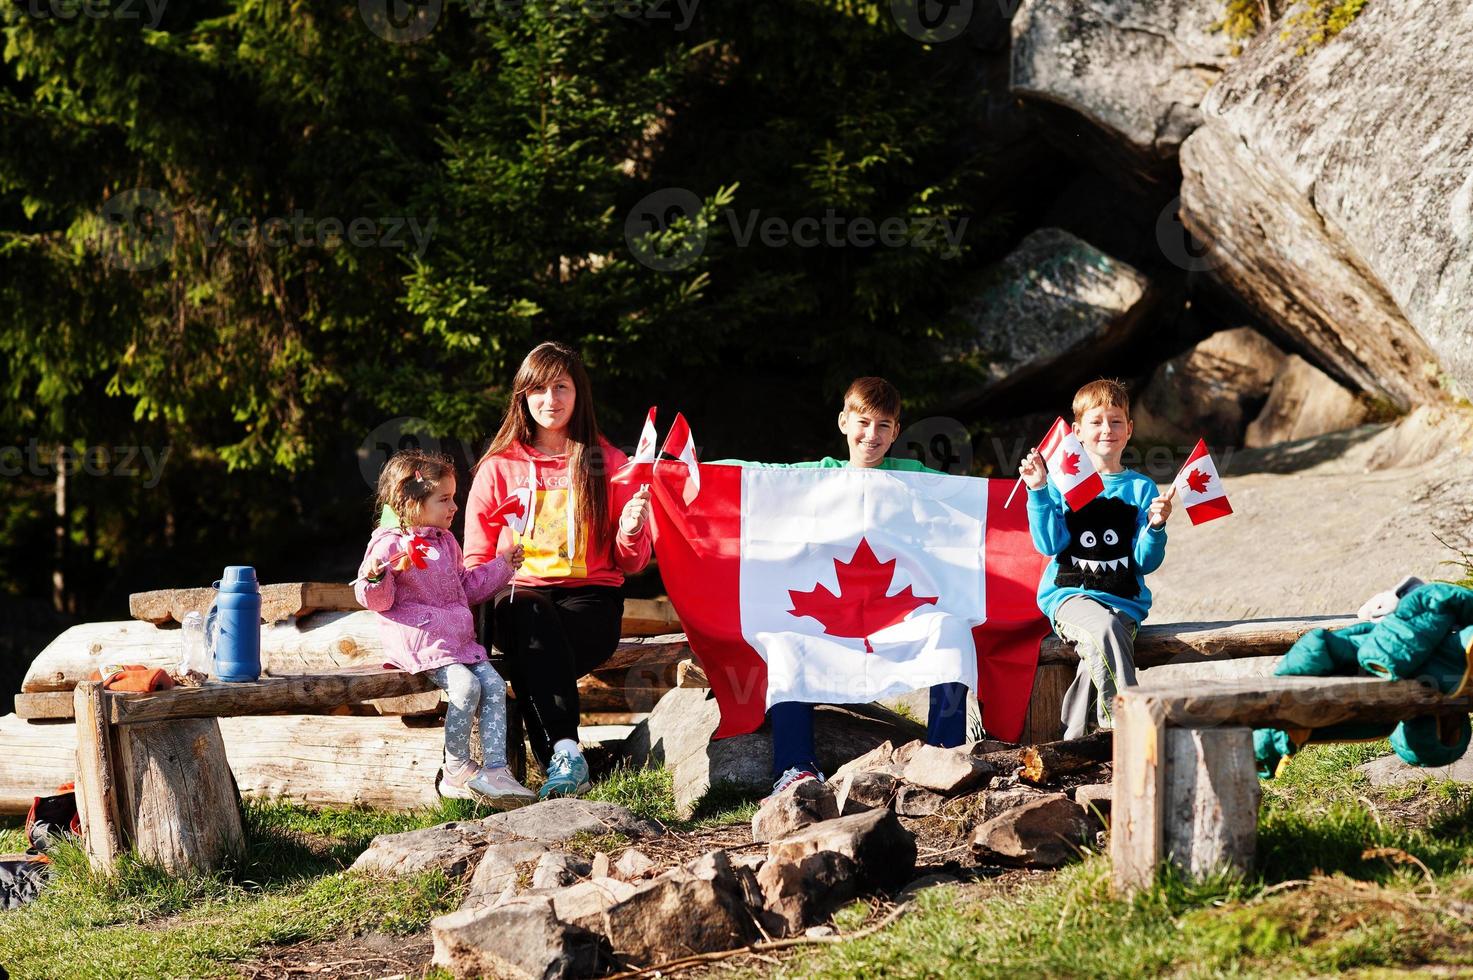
(680, 444)
(638, 469)
(1201, 489)
(1069, 466)
(513, 512)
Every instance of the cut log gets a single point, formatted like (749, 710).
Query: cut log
(98, 803)
(1138, 805)
(1046, 705)
(1051, 761)
(1212, 794)
(312, 694)
(278, 602)
(323, 761)
(320, 644)
(38, 759)
(1180, 643)
(649, 617)
(183, 809)
(41, 707)
(1297, 702)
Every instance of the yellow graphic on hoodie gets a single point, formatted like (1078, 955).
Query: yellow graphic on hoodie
(547, 545)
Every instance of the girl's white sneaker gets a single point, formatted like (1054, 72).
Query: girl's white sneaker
(500, 789)
(455, 779)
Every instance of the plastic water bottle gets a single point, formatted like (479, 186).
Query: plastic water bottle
(237, 615)
(193, 657)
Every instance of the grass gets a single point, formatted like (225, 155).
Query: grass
(1339, 887)
(1345, 883)
(290, 885)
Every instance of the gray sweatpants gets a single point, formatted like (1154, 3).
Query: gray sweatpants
(1105, 642)
(470, 689)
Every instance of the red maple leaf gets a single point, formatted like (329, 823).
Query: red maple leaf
(1070, 464)
(1198, 481)
(862, 606)
(512, 507)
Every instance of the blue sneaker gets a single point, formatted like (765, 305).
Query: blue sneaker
(567, 775)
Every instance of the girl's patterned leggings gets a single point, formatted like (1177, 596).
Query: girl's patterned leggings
(469, 688)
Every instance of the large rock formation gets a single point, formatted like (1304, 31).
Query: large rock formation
(1137, 69)
(1335, 189)
(1212, 391)
(1051, 311)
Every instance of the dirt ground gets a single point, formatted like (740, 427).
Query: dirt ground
(1320, 525)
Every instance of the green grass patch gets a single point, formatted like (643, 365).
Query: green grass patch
(289, 886)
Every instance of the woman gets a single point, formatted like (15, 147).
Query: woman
(582, 534)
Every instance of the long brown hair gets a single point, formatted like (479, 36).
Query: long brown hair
(587, 467)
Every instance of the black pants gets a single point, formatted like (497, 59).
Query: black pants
(552, 637)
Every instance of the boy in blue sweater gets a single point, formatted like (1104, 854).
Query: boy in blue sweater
(1094, 591)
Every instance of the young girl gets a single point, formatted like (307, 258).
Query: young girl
(583, 534)
(412, 577)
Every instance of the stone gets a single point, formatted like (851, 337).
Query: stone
(1389, 770)
(997, 802)
(1095, 799)
(910, 891)
(504, 869)
(808, 875)
(1046, 316)
(794, 808)
(1333, 188)
(947, 771)
(524, 940)
(1211, 392)
(699, 907)
(633, 864)
(452, 847)
(866, 790)
(561, 819)
(903, 753)
(1046, 833)
(1304, 402)
(584, 903)
(602, 867)
(914, 801)
(879, 757)
(1136, 69)
(557, 869)
(678, 732)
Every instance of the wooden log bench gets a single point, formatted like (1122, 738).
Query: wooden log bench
(151, 772)
(1186, 785)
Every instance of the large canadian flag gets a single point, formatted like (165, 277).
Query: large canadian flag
(1069, 466)
(1201, 489)
(849, 585)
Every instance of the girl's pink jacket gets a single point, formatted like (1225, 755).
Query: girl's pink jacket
(424, 614)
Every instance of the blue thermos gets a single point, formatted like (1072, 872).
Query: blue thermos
(235, 623)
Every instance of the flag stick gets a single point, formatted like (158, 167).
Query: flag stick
(514, 543)
(388, 563)
(1009, 502)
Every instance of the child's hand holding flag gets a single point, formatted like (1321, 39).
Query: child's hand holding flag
(1201, 489)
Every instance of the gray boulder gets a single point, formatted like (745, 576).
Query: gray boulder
(523, 941)
(678, 732)
(564, 818)
(1334, 189)
(1045, 833)
(1136, 69)
(1048, 314)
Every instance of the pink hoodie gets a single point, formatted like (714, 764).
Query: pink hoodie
(549, 559)
(424, 613)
